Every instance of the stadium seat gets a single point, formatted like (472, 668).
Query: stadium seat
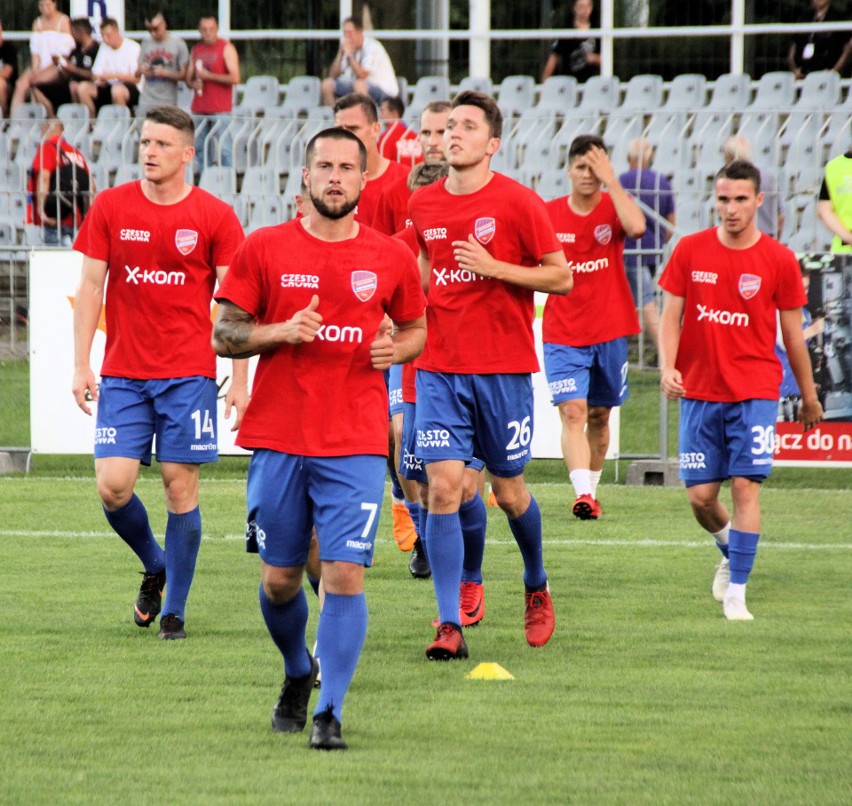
(404, 91)
(692, 215)
(553, 184)
(260, 94)
(644, 93)
(185, 96)
(573, 125)
(105, 141)
(478, 84)
(714, 123)
(600, 95)
(23, 132)
(75, 119)
(12, 176)
(775, 91)
(218, 180)
(266, 211)
(301, 95)
(127, 172)
(258, 181)
(428, 88)
(558, 93)
(838, 133)
(515, 94)
(534, 126)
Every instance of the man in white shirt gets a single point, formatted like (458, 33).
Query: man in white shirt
(114, 71)
(361, 65)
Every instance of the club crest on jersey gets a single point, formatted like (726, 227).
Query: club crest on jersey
(186, 240)
(603, 234)
(483, 229)
(749, 285)
(364, 284)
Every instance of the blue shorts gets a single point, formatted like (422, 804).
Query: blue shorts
(395, 390)
(343, 86)
(409, 465)
(721, 440)
(633, 274)
(467, 416)
(179, 412)
(597, 373)
(288, 494)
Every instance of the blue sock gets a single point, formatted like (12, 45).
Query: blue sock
(286, 624)
(314, 583)
(424, 518)
(474, 519)
(131, 524)
(527, 532)
(445, 548)
(340, 635)
(723, 547)
(742, 546)
(396, 490)
(183, 539)
(414, 511)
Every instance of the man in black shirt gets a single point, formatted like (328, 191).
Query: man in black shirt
(76, 67)
(827, 50)
(575, 57)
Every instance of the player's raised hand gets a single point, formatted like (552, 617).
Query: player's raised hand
(381, 350)
(303, 325)
(601, 166)
(473, 256)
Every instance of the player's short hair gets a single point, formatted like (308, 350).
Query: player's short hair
(357, 22)
(493, 115)
(109, 22)
(82, 24)
(425, 173)
(740, 169)
(154, 12)
(209, 15)
(354, 99)
(174, 117)
(736, 147)
(335, 134)
(394, 104)
(584, 143)
(435, 107)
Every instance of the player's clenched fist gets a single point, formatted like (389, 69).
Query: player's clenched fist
(381, 350)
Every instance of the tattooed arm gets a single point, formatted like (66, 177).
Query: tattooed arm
(236, 334)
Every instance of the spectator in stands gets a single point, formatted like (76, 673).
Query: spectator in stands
(72, 70)
(580, 58)
(770, 214)
(51, 37)
(816, 50)
(397, 141)
(58, 219)
(653, 190)
(8, 71)
(214, 71)
(835, 201)
(163, 60)
(114, 71)
(361, 65)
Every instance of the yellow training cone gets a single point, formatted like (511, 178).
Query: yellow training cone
(489, 671)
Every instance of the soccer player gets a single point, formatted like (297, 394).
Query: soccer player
(486, 244)
(311, 297)
(724, 288)
(358, 114)
(158, 245)
(585, 334)
(472, 513)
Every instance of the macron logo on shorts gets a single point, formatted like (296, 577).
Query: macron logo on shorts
(361, 545)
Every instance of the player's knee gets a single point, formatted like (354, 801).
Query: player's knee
(573, 412)
(598, 417)
(701, 500)
(444, 495)
(114, 493)
(469, 487)
(512, 498)
(281, 584)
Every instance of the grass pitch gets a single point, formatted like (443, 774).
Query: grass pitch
(645, 694)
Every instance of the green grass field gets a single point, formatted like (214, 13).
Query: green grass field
(645, 694)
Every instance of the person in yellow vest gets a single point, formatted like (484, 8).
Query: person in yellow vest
(835, 201)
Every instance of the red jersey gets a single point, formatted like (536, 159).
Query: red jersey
(600, 307)
(392, 210)
(409, 372)
(215, 98)
(162, 263)
(401, 144)
(373, 190)
(322, 398)
(727, 342)
(478, 325)
(47, 159)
